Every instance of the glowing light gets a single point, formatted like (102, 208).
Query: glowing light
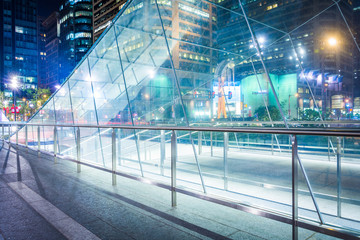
(151, 74)
(332, 41)
(261, 40)
(57, 86)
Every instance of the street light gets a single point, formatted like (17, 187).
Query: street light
(332, 42)
(14, 86)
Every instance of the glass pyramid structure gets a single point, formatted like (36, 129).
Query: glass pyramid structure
(213, 63)
(210, 63)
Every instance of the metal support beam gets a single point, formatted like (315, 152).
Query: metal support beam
(338, 175)
(113, 154)
(294, 171)
(173, 168)
(162, 151)
(310, 189)
(78, 147)
(226, 147)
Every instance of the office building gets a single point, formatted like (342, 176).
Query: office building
(315, 49)
(41, 51)
(52, 68)
(19, 44)
(103, 13)
(75, 33)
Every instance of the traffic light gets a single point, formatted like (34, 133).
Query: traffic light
(213, 94)
(210, 94)
(230, 95)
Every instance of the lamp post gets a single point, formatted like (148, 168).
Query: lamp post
(14, 86)
(331, 42)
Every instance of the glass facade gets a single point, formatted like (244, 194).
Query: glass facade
(75, 34)
(18, 44)
(217, 64)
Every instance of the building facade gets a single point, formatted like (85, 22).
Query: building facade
(41, 51)
(75, 33)
(103, 13)
(19, 44)
(317, 49)
(52, 68)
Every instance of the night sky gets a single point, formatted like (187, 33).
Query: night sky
(46, 7)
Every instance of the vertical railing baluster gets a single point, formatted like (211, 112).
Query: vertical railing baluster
(78, 148)
(294, 171)
(55, 144)
(119, 147)
(338, 175)
(38, 134)
(17, 137)
(26, 138)
(173, 168)
(113, 148)
(162, 151)
(211, 144)
(226, 147)
(200, 142)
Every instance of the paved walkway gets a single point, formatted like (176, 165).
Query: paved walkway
(43, 200)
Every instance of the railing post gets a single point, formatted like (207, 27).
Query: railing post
(329, 149)
(173, 168)
(294, 171)
(162, 151)
(211, 144)
(226, 146)
(272, 144)
(78, 147)
(38, 134)
(26, 138)
(338, 175)
(9, 133)
(3, 134)
(113, 148)
(55, 144)
(119, 147)
(17, 137)
(200, 142)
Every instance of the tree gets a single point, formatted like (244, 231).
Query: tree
(263, 115)
(309, 115)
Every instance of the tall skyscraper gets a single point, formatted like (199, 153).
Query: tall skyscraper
(52, 69)
(18, 44)
(75, 33)
(41, 51)
(103, 12)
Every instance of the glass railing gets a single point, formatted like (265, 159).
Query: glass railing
(309, 178)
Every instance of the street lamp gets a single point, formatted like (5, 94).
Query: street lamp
(332, 42)
(14, 86)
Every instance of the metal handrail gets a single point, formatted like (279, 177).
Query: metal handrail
(263, 130)
(326, 228)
